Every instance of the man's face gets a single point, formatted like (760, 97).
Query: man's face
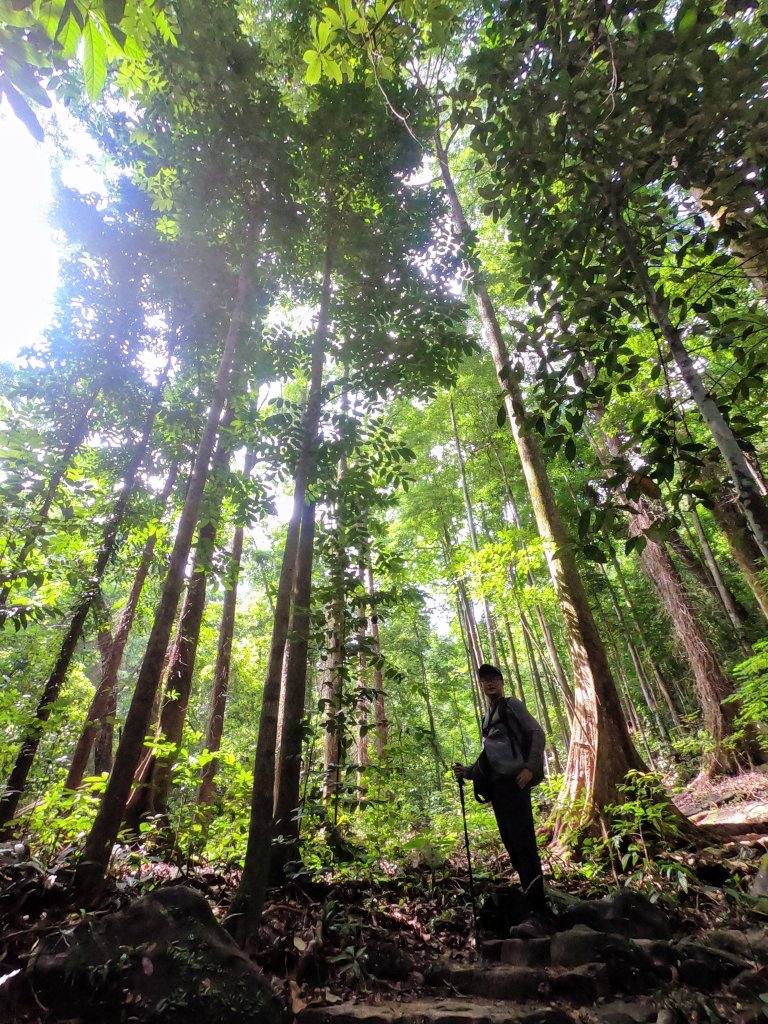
(492, 687)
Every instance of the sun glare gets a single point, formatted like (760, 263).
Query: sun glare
(28, 254)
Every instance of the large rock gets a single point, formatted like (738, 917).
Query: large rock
(163, 958)
(629, 966)
(705, 968)
(623, 912)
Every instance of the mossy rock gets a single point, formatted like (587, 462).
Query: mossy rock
(163, 958)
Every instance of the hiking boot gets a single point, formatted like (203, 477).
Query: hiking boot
(537, 926)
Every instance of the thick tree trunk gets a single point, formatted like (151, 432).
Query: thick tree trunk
(288, 769)
(52, 688)
(103, 707)
(661, 681)
(150, 796)
(98, 846)
(712, 684)
(249, 899)
(752, 501)
(219, 692)
(601, 752)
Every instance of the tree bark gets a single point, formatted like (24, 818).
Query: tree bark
(489, 624)
(601, 752)
(733, 525)
(249, 899)
(726, 597)
(104, 704)
(150, 796)
(220, 689)
(98, 846)
(752, 501)
(379, 708)
(712, 684)
(288, 770)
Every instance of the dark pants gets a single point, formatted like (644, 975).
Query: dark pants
(514, 816)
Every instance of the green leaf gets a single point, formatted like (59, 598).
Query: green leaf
(594, 553)
(314, 67)
(94, 59)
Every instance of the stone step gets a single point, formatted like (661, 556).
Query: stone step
(434, 1011)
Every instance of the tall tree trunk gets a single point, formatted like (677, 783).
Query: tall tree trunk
(440, 765)
(104, 704)
(379, 709)
(52, 688)
(98, 846)
(752, 501)
(249, 899)
(661, 681)
(363, 701)
(712, 684)
(642, 679)
(150, 796)
(220, 689)
(515, 661)
(601, 752)
(549, 640)
(726, 597)
(733, 525)
(288, 769)
(473, 532)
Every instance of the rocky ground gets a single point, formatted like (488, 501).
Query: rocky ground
(402, 952)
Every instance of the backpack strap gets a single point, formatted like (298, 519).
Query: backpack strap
(517, 735)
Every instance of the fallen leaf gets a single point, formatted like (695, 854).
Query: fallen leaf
(297, 1004)
(147, 966)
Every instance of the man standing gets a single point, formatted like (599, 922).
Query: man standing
(512, 762)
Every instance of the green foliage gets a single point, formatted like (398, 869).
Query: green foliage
(751, 696)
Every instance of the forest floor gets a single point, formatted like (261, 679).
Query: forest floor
(733, 799)
(352, 946)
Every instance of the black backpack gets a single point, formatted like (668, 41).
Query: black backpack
(519, 738)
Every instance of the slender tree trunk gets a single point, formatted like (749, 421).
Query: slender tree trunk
(601, 752)
(752, 501)
(473, 532)
(150, 797)
(379, 708)
(288, 780)
(515, 661)
(220, 690)
(440, 765)
(98, 846)
(733, 525)
(643, 681)
(726, 597)
(52, 688)
(249, 899)
(104, 704)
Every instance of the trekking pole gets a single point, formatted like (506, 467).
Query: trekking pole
(469, 858)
